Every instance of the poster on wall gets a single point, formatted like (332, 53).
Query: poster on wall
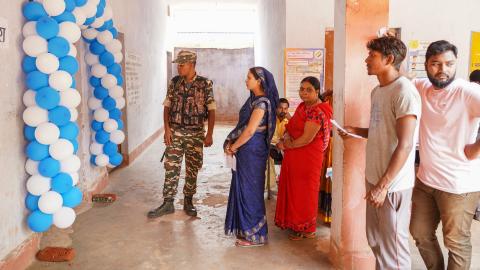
(300, 63)
(475, 51)
(416, 58)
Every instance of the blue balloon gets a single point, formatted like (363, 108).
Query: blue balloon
(58, 46)
(74, 82)
(47, 98)
(107, 59)
(69, 131)
(33, 11)
(59, 115)
(116, 159)
(36, 151)
(39, 222)
(92, 160)
(115, 114)
(115, 69)
(75, 146)
(62, 183)
(31, 202)
(108, 25)
(96, 125)
(69, 64)
(72, 198)
(96, 47)
(100, 10)
(36, 80)
(119, 80)
(29, 132)
(100, 92)
(102, 136)
(110, 148)
(94, 81)
(114, 32)
(49, 167)
(89, 21)
(70, 5)
(66, 16)
(109, 103)
(120, 124)
(47, 27)
(29, 64)
(80, 2)
(104, 27)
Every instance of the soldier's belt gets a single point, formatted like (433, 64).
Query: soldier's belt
(187, 128)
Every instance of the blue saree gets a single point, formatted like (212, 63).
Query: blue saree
(246, 216)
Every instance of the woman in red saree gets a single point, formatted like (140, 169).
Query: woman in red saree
(308, 135)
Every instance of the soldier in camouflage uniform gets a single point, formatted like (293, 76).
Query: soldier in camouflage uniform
(189, 103)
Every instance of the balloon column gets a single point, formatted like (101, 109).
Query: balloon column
(51, 99)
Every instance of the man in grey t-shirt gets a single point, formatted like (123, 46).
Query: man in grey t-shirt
(394, 117)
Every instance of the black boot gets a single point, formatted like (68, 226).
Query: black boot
(188, 206)
(164, 209)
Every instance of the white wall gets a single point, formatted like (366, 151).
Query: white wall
(144, 27)
(433, 20)
(271, 38)
(306, 22)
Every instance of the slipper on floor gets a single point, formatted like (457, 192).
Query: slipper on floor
(244, 243)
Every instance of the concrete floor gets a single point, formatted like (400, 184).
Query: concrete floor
(119, 236)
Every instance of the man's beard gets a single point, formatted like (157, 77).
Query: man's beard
(281, 115)
(441, 84)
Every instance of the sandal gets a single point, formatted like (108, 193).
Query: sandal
(297, 236)
(246, 244)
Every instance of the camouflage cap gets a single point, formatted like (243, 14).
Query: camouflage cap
(185, 56)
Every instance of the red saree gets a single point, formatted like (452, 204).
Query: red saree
(299, 184)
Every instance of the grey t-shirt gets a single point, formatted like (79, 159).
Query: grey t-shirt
(389, 103)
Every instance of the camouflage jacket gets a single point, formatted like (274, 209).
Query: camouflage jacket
(189, 104)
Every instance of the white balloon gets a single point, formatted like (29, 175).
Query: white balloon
(94, 2)
(70, 165)
(93, 136)
(29, 29)
(94, 103)
(116, 91)
(34, 116)
(47, 63)
(98, 23)
(96, 149)
(35, 45)
(101, 115)
(101, 160)
(90, 33)
(60, 80)
(75, 178)
(61, 149)
(117, 136)
(73, 114)
(54, 7)
(64, 217)
(107, 13)
(38, 185)
(79, 15)
(89, 9)
(70, 31)
(91, 59)
(114, 46)
(47, 133)
(110, 125)
(105, 37)
(118, 57)
(99, 70)
(73, 51)
(70, 98)
(29, 98)
(50, 202)
(108, 81)
(31, 166)
(120, 103)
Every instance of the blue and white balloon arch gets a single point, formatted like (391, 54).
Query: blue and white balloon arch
(50, 64)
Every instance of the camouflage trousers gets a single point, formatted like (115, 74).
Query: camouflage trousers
(190, 144)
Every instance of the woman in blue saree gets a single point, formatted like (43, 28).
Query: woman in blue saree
(249, 142)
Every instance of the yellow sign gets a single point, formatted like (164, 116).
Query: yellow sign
(475, 51)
